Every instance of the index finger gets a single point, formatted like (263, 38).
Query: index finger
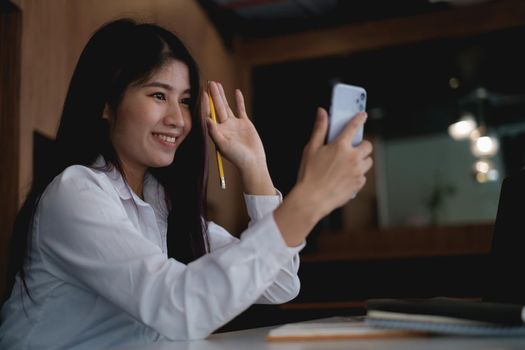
(220, 108)
(351, 128)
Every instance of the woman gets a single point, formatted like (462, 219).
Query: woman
(111, 246)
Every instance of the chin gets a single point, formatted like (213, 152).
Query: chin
(162, 162)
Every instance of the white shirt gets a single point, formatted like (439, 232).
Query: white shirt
(100, 277)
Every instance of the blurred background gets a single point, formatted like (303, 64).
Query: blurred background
(446, 105)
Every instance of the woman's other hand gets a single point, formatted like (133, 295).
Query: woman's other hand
(334, 173)
(238, 140)
(329, 176)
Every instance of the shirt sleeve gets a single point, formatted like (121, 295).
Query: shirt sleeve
(287, 284)
(86, 239)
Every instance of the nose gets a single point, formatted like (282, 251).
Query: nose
(174, 117)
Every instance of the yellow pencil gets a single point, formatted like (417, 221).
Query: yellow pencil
(218, 154)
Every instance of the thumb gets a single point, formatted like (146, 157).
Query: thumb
(320, 128)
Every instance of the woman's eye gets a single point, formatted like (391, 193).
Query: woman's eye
(159, 96)
(186, 101)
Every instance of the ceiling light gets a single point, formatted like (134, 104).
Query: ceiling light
(482, 166)
(485, 146)
(461, 129)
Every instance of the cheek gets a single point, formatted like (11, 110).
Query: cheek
(135, 120)
(128, 130)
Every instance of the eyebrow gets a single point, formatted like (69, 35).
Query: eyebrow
(164, 86)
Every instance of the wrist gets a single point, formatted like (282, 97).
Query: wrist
(256, 179)
(308, 203)
(297, 215)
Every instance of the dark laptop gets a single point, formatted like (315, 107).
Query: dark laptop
(505, 282)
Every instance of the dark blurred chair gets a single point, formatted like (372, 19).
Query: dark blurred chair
(504, 281)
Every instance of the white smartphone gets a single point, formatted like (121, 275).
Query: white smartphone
(347, 101)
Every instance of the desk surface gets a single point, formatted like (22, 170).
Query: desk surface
(254, 339)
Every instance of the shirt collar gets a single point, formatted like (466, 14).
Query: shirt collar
(154, 194)
(153, 191)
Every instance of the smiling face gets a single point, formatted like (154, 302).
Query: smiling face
(153, 119)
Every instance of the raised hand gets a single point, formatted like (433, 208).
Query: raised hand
(238, 140)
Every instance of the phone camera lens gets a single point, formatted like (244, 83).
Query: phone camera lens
(362, 96)
(361, 108)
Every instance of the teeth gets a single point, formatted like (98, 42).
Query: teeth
(165, 138)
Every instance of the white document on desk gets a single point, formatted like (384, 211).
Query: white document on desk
(335, 328)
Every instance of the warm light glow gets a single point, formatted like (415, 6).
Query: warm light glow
(484, 171)
(492, 175)
(482, 166)
(481, 178)
(462, 129)
(475, 134)
(485, 146)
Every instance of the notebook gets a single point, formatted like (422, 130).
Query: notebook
(447, 316)
(506, 272)
(334, 328)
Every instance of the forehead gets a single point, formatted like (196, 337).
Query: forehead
(174, 73)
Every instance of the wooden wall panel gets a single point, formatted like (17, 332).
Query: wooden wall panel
(347, 39)
(401, 242)
(10, 26)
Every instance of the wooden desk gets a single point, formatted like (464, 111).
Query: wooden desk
(254, 339)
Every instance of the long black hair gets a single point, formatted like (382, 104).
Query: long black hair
(119, 54)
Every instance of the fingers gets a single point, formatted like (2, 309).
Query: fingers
(223, 95)
(320, 129)
(241, 108)
(220, 104)
(225, 101)
(350, 130)
(364, 148)
(214, 132)
(367, 164)
(364, 167)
